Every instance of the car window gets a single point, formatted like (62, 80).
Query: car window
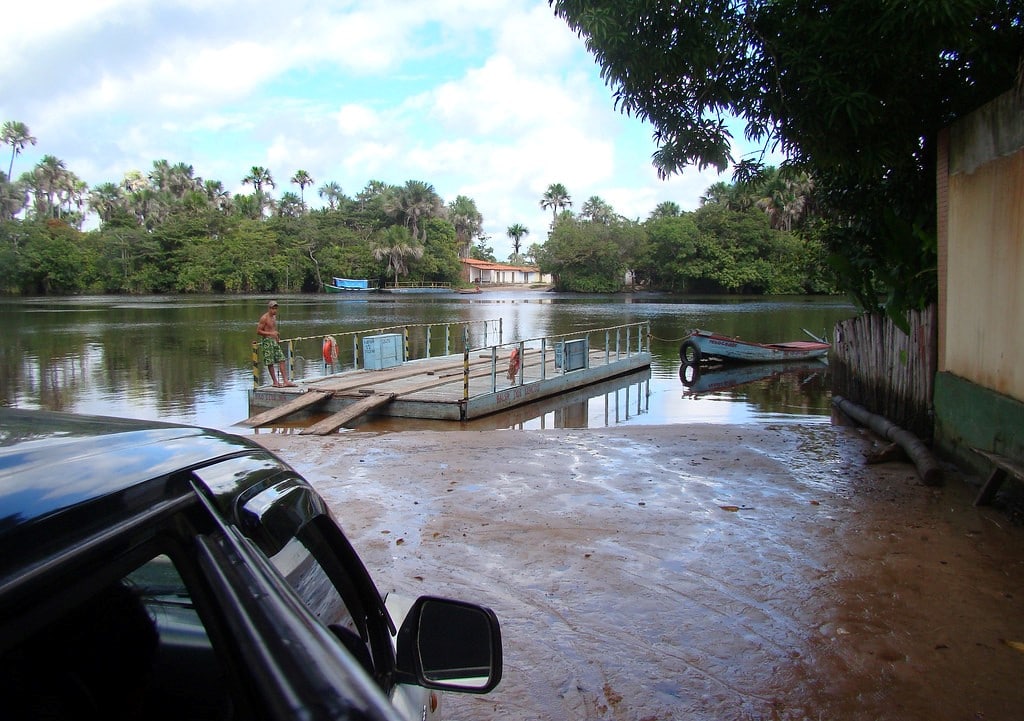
(135, 649)
(309, 579)
(317, 577)
(188, 676)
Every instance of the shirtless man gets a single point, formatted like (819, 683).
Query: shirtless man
(270, 348)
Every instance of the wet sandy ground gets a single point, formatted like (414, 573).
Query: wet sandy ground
(693, 572)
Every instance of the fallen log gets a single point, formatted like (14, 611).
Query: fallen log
(927, 467)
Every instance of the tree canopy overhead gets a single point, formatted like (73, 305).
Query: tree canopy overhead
(852, 92)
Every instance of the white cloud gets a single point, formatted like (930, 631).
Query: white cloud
(356, 119)
(494, 99)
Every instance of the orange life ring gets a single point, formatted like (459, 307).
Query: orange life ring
(330, 350)
(513, 364)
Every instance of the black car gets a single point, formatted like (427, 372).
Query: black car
(157, 571)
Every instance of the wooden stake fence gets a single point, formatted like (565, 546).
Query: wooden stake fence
(887, 371)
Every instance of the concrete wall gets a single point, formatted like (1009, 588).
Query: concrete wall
(979, 393)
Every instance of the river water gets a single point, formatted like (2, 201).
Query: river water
(188, 360)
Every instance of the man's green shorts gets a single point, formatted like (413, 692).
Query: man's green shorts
(271, 351)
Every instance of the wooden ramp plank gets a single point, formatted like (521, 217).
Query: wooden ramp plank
(349, 413)
(307, 399)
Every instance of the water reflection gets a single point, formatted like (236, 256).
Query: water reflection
(698, 380)
(778, 390)
(188, 359)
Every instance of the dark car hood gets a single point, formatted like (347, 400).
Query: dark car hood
(50, 461)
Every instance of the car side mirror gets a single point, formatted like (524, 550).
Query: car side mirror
(449, 645)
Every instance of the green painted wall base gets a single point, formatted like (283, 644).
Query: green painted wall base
(967, 415)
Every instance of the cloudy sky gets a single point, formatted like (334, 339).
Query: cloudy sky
(494, 99)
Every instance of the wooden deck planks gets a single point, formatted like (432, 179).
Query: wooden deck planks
(347, 414)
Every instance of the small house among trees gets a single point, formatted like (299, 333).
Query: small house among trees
(486, 272)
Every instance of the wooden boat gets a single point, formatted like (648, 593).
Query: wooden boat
(347, 285)
(702, 345)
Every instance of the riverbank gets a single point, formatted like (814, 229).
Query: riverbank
(693, 571)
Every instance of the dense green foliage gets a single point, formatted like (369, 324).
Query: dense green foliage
(212, 253)
(854, 93)
(586, 256)
(170, 232)
(748, 239)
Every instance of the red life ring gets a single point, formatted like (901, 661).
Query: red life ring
(330, 350)
(513, 364)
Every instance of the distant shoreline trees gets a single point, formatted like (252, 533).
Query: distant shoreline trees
(170, 231)
(744, 239)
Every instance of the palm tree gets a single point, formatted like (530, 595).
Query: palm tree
(468, 223)
(17, 135)
(516, 233)
(13, 197)
(145, 205)
(302, 179)
(217, 195)
(667, 209)
(72, 193)
(784, 198)
(160, 176)
(396, 244)
(104, 200)
(331, 191)
(412, 204)
(258, 177)
(49, 174)
(716, 193)
(182, 180)
(555, 197)
(372, 190)
(290, 205)
(597, 210)
(736, 196)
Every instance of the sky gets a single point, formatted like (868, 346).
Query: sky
(492, 99)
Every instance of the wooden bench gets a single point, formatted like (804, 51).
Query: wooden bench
(1001, 468)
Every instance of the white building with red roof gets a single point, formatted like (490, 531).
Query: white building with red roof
(484, 272)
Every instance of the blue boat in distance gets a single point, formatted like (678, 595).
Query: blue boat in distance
(348, 285)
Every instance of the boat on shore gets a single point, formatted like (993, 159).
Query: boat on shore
(348, 285)
(703, 345)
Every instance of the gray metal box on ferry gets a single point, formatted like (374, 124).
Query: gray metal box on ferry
(383, 351)
(572, 355)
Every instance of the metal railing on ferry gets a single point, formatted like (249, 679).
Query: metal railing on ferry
(617, 342)
(336, 352)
